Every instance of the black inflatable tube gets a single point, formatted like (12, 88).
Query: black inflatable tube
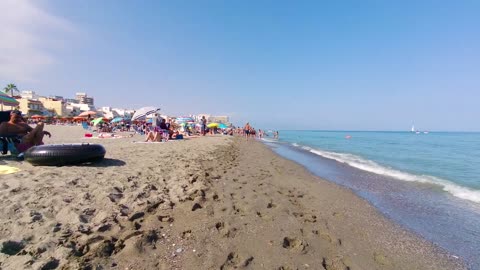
(64, 154)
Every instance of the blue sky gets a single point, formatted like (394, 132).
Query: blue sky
(358, 65)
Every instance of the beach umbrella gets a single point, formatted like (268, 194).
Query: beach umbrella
(222, 125)
(7, 100)
(184, 119)
(37, 116)
(211, 125)
(87, 113)
(79, 118)
(117, 119)
(98, 120)
(142, 113)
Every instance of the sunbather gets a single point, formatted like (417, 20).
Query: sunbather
(28, 136)
(154, 136)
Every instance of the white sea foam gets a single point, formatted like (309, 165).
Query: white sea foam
(371, 166)
(269, 140)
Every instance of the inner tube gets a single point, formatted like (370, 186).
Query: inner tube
(64, 154)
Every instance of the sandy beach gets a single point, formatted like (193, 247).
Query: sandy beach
(215, 202)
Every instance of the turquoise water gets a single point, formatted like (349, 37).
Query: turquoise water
(450, 160)
(427, 183)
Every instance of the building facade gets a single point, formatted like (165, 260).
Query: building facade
(56, 107)
(30, 107)
(84, 99)
(218, 119)
(28, 94)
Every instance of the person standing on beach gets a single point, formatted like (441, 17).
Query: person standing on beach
(156, 122)
(204, 125)
(246, 130)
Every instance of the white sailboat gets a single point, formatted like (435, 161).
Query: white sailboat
(413, 128)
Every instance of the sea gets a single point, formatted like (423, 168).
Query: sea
(429, 183)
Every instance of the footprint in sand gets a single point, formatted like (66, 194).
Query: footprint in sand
(271, 205)
(336, 263)
(294, 244)
(224, 230)
(187, 234)
(235, 261)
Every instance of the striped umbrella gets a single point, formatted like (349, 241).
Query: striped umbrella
(142, 113)
(7, 100)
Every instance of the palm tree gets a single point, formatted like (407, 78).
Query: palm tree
(11, 88)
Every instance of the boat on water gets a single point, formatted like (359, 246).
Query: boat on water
(418, 131)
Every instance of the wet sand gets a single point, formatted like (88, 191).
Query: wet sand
(204, 203)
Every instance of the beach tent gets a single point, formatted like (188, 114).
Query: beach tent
(7, 100)
(142, 113)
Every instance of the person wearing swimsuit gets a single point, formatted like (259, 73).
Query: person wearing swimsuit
(246, 130)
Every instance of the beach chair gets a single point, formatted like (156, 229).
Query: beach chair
(138, 130)
(85, 126)
(7, 140)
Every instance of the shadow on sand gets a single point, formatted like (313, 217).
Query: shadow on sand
(106, 162)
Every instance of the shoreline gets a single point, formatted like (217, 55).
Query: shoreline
(421, 208)
(205, 203)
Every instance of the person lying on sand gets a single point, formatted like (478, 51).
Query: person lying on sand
(106, 135)
(29, 136)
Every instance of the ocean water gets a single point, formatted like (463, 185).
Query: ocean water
(428, 183)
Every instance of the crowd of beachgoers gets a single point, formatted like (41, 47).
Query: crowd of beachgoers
(150, 124)
(157, 128)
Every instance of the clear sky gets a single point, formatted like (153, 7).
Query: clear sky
(352, 65)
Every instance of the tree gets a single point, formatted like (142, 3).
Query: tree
(11, 88)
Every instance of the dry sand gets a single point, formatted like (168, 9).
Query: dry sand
(205, 203)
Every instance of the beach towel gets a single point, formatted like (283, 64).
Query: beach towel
(5, 169)
(108, 136)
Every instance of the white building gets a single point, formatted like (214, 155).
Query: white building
(29, 95)
(77, 108)
(84, 99)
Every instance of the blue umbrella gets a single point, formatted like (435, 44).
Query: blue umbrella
(221, 125)
(117, 119)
